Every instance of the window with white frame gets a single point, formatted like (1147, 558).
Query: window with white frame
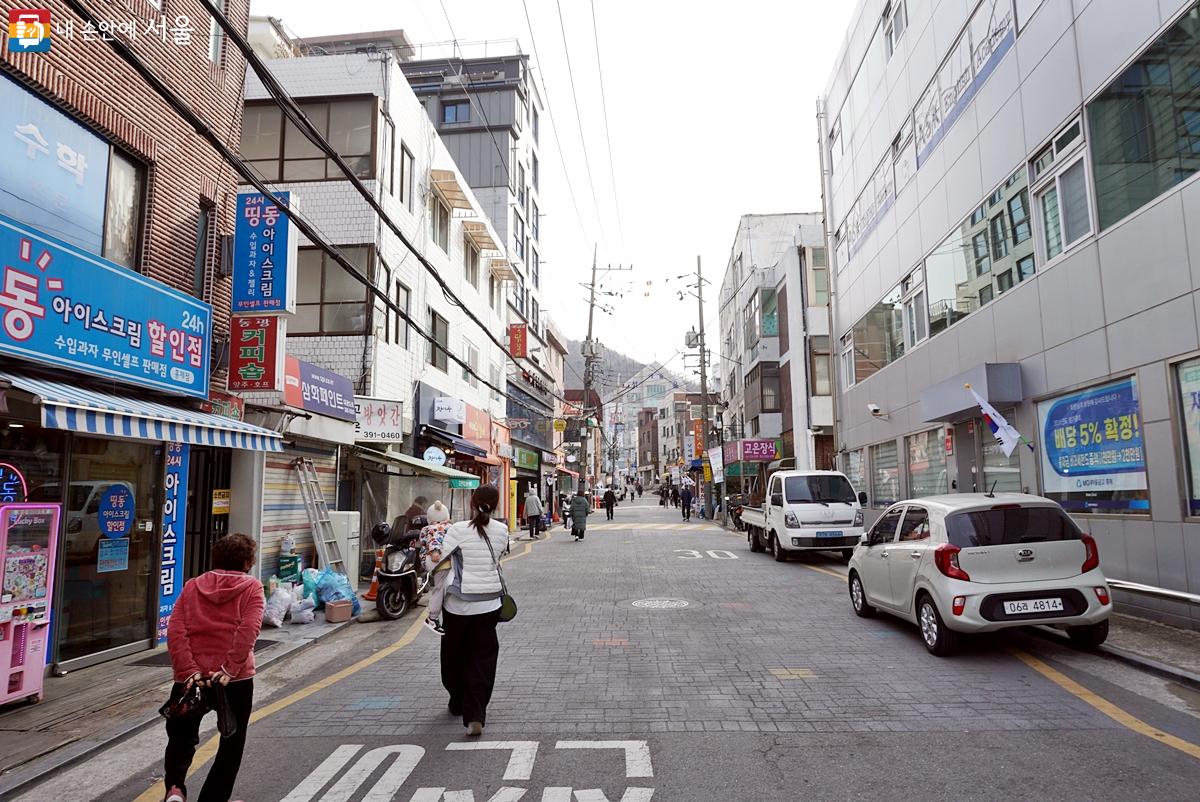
(894, 23)
(1060, 191)
(216, 36)
(904, 155)
(471, 357)
(835, 144)
(846, 360)
(439, 221)
(916, 321)
(494, 378)
(470, 262)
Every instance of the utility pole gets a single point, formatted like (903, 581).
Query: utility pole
(589, 357)
(708, 486)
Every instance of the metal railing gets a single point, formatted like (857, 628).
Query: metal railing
(1151, 590)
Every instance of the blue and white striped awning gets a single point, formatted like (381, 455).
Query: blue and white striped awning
(77, 409)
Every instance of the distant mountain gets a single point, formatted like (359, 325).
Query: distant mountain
(615, 368)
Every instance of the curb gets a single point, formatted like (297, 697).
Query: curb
(1119, 655)
(44, 765)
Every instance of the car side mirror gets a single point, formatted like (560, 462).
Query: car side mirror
(777, 499)
(864, 539)
(862, 498)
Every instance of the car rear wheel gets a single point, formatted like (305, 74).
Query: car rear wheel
(1089, 636)
(776, 550)
(858, 597)
(752, 537)
(938, 639)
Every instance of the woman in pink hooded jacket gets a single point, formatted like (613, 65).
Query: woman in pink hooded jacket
(211, 638)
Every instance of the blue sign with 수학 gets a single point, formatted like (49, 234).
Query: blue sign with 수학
(115, 515)
(264, 256)
(53, 171)
(71, 309)
(174, 528)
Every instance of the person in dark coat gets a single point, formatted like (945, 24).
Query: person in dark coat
(685, 499)
(610, 501)
(580, 509)
(638, 487)
(674, 496)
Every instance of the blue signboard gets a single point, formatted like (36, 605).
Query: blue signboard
(116, 513)
(170, 576)
(53, 170)
(1092, 452)
(64, 307)
(113, 555)
(264, 256)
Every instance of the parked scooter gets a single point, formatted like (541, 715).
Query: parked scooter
(402, 577)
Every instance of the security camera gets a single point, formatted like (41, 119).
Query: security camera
(874, 409)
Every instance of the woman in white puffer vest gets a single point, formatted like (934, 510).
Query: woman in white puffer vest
(472, 609)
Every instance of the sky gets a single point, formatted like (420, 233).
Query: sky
(709, 116)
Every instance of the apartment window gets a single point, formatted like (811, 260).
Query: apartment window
(1018, 217)
(493, 292)
(200, 260)
(916, 324)
(536, 131)
(879, 336)
(820, 282)
(750, 321)
(904, 155)
(457, 112)
(436, 352)
(387, 160)
(215, 34)
(278, 150)
(521, 185)
(407, 178)
(534, 219)
(1064, 209)
(885, 474)
(470, 263)
(471, 357)
(1004, 281)
(535, 267)
(518, 234)
(494, 379)
(846, 360)
(533, 314)
(439, 222)
(894, 23)
(1145, 126)
(328, 299)
(403, 297)
(123, 209)
(971, 257)
(822, 381)
(535, 166)
(835, 143)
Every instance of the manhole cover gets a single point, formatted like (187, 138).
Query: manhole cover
(661, 604)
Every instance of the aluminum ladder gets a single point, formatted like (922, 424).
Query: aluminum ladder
(328, 550)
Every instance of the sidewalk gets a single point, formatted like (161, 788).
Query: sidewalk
(87, 709)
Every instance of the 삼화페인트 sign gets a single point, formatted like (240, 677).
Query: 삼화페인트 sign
(264, 256)
(308, 387)
(64, 307)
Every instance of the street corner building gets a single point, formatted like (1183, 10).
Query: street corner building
(1011, 197)
(114, 329)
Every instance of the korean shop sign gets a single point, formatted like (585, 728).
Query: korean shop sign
(55, 170)
(527, 459)
(256, 353)
(174, 518)
(64, 307)
(306, 386)
(264, 256)
(758, 450)
(380, 420)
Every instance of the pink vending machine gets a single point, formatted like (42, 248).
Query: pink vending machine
(28, 539)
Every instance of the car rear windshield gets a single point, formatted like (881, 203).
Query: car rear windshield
(997, 527)
(821, 489)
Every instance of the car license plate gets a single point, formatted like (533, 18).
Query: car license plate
(1025, 606)
(830, 534)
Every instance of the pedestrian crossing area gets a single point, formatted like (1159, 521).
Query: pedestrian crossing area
(679, 527)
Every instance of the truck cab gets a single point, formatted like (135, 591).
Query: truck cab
(807, 511)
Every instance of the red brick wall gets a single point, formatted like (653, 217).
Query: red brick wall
(93, 84)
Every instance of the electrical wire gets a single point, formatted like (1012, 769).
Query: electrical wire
(607, 134)
(180, 107)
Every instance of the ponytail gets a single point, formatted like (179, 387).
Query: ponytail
(483, 502)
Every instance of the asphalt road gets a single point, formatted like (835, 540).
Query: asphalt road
(764, 686)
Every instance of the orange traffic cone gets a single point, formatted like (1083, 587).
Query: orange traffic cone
(374, 589)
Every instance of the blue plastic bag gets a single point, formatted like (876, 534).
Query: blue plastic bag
(332, 586)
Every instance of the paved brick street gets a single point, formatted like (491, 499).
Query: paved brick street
(764, 686)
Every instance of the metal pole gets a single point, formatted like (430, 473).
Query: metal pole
(708, 505)
(588, 351)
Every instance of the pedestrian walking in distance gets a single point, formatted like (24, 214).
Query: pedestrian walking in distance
(610, 501)
(675, 497)
(211, 642)
(472, 609)
(685, 499)
(533, 514)
(638, 487)
(581, 508)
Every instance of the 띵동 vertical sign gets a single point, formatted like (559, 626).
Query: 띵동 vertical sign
(174, 529)
(264, 256)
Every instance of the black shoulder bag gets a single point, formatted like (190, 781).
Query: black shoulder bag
(508, 605)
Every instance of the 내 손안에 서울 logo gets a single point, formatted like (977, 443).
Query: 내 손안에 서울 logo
(29, 30)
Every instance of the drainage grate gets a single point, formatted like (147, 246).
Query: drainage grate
(662, 604)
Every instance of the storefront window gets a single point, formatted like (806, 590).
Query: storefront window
(30, 463)
(927, 463)
(1001, 474)
(111, 520)
(854, 470)
(1093, 457)
(1188, 376)
(885, 475)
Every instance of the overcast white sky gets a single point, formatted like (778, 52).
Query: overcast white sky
(712, 115)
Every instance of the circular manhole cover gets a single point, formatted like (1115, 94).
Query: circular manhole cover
(661, 604)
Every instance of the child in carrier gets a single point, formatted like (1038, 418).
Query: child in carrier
(431, 554)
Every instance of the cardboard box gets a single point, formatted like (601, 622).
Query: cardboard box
(338, 611)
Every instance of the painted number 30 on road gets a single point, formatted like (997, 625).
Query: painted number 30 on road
(692, 554)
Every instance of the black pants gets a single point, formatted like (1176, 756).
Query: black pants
(184, 734)
(608, 510)
(469, 653)
(687, 511)
(534, 521)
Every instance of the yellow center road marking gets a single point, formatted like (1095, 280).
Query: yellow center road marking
(792, 673)
(1106, 707)
(206, 752)
(828, 571)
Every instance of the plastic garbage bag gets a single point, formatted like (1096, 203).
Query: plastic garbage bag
(303, 611)
(332, 586)
(276, 607)
(309, 578)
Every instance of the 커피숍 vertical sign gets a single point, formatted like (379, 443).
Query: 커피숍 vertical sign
(264, 256)
(170, 578)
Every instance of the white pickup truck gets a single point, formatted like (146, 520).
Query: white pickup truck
(806, 511)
